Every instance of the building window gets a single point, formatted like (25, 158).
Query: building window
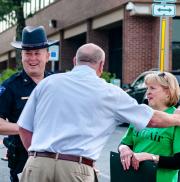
(176, 44)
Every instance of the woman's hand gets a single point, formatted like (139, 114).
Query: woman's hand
(139, 157)
(125, 155)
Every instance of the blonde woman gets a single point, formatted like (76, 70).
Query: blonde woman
(158, 144)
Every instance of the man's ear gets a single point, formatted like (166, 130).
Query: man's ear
(100, 68)
(48, 55)
(74, 60)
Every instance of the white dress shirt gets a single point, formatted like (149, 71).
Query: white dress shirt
(75, 113)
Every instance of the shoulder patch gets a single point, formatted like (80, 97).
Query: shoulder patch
(2, 90)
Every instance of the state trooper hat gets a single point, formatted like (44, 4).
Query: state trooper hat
(33, 38)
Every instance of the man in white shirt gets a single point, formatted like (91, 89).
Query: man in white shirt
(69, 117)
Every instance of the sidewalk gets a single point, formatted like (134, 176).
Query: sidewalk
(4, 170)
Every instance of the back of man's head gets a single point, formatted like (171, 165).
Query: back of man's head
(89, 54)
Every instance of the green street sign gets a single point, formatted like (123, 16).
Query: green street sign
(164, 10)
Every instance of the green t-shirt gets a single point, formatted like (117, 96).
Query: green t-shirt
(160, 141)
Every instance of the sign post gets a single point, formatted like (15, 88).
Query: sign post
(164, 11)
(162, 43)
(54, 55)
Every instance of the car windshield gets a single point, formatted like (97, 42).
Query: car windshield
(140, 83)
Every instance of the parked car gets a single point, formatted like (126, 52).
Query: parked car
(137, 88)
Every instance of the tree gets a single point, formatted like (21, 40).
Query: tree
(8, 7)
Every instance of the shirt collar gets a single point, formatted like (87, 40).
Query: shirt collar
(27, 79)
(85, 69)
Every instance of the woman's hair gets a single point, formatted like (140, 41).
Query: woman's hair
(167, 81)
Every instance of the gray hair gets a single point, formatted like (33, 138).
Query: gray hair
(90, 53)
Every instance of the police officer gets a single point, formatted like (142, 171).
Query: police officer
(15, 91)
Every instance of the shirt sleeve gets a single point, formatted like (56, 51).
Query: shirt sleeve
(172, 162)
(129, 111)
(6, 100)
(169, 162)
(26, 118)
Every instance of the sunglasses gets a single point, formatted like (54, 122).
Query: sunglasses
(164, 76)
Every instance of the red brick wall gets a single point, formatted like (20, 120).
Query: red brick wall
(138, 45)
(155, 42)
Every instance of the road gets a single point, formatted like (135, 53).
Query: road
(102, 164)
(4, 170)
(104, 159)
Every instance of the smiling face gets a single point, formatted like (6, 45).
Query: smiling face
(34, 61)
(158, 96)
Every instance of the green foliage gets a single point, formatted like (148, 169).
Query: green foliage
(6, 74)
(108, 76)
(7, 6)
(5, 9)
(15, 9)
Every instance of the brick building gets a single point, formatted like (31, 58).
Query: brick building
(129, 36)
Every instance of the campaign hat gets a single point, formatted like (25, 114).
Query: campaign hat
(33, 38)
